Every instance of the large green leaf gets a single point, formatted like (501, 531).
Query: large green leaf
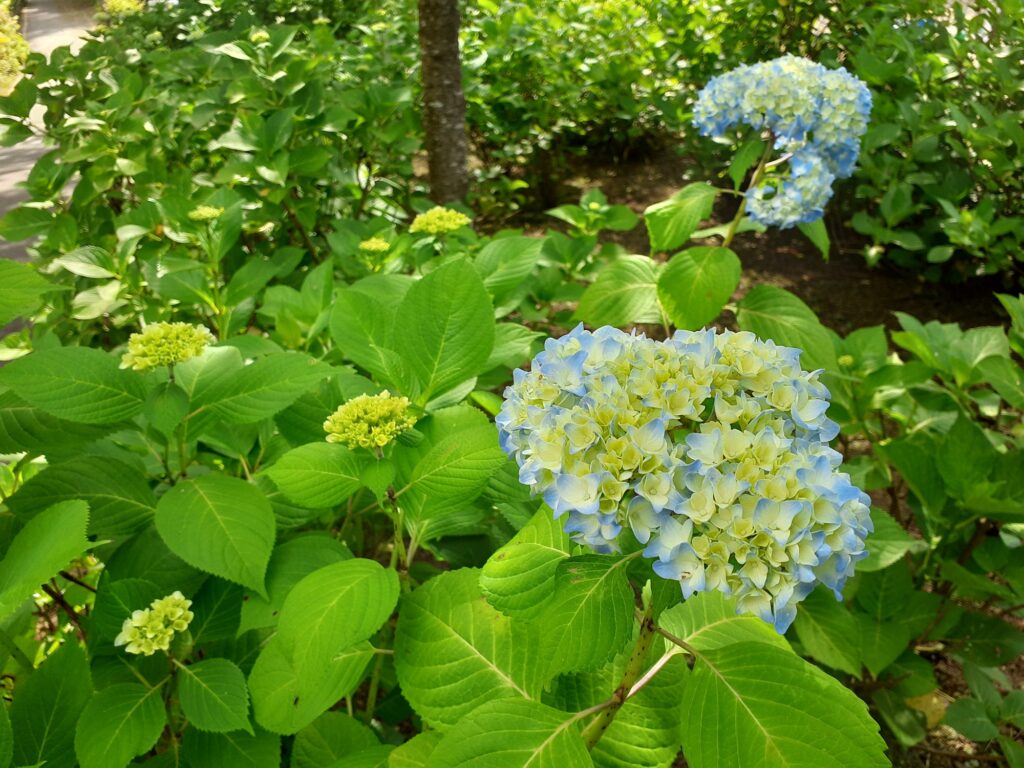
(119, 497)
(773, 313)
(47, 706)
(6, 738)
(213, 696)
(416, 752)
(444, 329)
(829, 632)
(260, 390)
(695, 285)
(330, 737)
(453, 651)
(25, 428)
(709, 620)
(118, 723)
(671, 222)
(24, 222)
(511, 732)
(755, 705)
(21, 290)
(361, 324)
(77, 384)
(453, 473)
(319, 475)
(236, 749)
(334, 608)
(221, 525)
(283, 703)
(887, 543)
(625, 292)
(590, 618)
(47, 543)
(519, 578)
(291, 561)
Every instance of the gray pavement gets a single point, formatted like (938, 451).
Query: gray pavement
(48, 25)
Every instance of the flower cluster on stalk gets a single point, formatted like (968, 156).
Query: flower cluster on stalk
(152, 629)
(161, 344)
(438, 221)
(369, 421)
(815, 115)
(712, 448)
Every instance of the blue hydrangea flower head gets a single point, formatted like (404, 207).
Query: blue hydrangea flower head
(815, 114)
(711, 448)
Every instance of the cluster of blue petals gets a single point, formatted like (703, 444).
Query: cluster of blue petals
(712, 448)
(816, 115)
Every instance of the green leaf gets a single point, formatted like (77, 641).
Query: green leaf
(6, 738)
(370, 757)
(47, 706)
(361, 325)
(236, 749)
(519, 578)
(217, 607)
(696, 284)
(24, 222)
(511, 732)
(887, 543)
(221, 525)
(1006, 378)
(334, 608)
(262, 389)
(444, 329)
(916, 464)
(77, 384)
(709, 620)
(88, 261)
(590, 618)
(284, 703)
(46, 544)
(119, 723)
(25, 428)
(214, 696)
(754, 705)
(453, 651)
(817, 233)
(119, 497)
(625, 292)
(505, 264)
(319, 475)
(829, 632)
(671, 222)
(330, 737)
(968, 717)
(744, 158)
(773, 313)
(21, 290)
(291, 561)
(453, 473)
(115, 602)
(416, 752)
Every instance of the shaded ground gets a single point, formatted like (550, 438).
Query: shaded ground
(845, 292)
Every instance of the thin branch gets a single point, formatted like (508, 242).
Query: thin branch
(58, 598)
(75, 580)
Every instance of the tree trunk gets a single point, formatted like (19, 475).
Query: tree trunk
(444, 105)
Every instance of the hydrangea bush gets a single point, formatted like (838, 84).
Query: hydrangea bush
(813, 115)
(711, 447)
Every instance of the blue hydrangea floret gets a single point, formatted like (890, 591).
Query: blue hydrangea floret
(711, 448)
(814, 115)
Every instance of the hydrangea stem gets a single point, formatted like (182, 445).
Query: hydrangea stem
(754, 181)
(634, 671)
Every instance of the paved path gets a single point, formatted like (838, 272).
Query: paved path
(48, 24)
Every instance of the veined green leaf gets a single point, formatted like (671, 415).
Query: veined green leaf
(695, 285)
(453, 651)
(624, 292)
(671, 222)
(221, 525)
(319, 475)
(119, 723)
(214, 696)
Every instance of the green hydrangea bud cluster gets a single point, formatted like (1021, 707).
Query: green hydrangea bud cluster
(375, 245)
(163, 344)
(123, 7)
(205, 213)
(152, 629)
(369, 421)
(439, 221)
(258, 36)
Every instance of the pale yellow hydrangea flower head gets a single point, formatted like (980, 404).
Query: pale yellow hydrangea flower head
(205, 213)
(123, 7)
(369, 421)
(163, 344)
(152, 629)
(375, 245)
(439, 221)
